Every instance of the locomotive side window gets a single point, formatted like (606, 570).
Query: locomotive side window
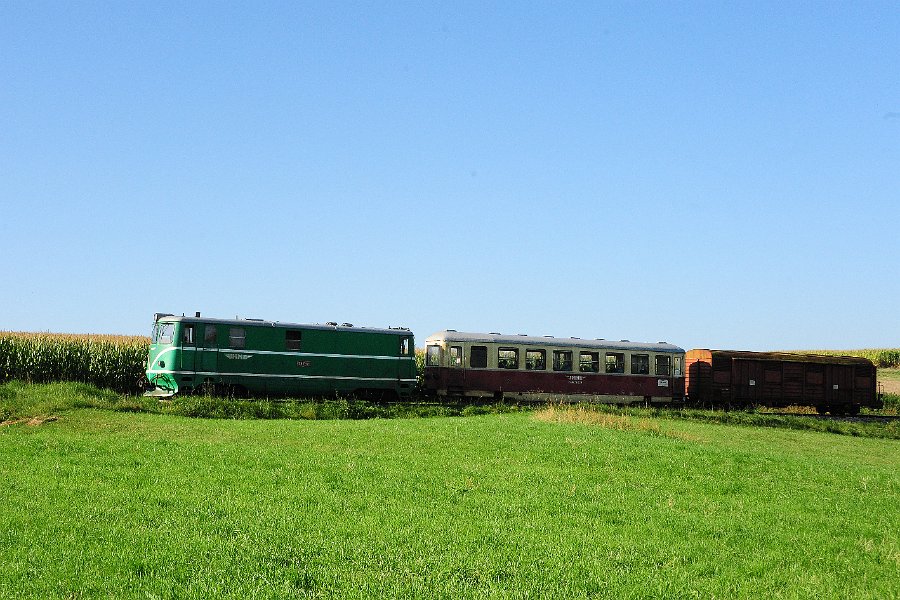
(433, 356)
(663, 364)
(535, 360)
(236, 337)
(562, 360)
(508, 358)
(589, 362)
(292, 339)
(187, 335)
(404, 346)
(640, 364)
(478, 357)
(209, 335)
(456, 356)
(615, 362)
(166, 333)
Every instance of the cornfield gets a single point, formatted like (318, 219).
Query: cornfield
(882, 358)
(106, 361)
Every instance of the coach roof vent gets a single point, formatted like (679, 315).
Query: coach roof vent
(523, 334)
(496, 333)
(346, 324)
(624, 340)
(453, 330)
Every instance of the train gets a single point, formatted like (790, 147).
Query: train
(253, 356)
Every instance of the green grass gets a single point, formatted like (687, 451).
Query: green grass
(102, 503)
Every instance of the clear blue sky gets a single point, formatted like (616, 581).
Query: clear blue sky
(709, 174)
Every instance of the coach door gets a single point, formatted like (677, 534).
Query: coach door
(456, 374)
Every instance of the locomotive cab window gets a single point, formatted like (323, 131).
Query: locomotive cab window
(456, 356)
(187, 335)
(535, 360)
(236, 337)
(404, 346)
(433, 356)
(292, 339)
(640, 364)
(508, 358)
(209, 336)
(478, 357)
(615, 362)
(589, 362)
(562, 360)
(166, 333)
(663, 364)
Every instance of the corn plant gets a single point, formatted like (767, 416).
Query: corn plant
(114, 362)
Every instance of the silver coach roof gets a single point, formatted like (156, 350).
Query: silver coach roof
(263, 323)
(533, 340)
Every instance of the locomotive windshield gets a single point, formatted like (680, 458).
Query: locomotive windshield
(163, 333)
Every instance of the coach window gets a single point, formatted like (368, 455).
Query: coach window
(292, 339)
(433, 356)
(187, 335)
(456, 356)
(640, 364)
(615, 362)
(209, 336)
(236, 337)
(663, 364)
(562, 360)
(535, 360)
(589, 362)
(478, 357)
(508, 358)
(404, 346)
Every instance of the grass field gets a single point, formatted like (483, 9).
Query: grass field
(549, 504)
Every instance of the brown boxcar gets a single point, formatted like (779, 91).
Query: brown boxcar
(531, 368)
(836, 384)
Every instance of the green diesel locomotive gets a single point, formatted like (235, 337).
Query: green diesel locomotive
(272, 358)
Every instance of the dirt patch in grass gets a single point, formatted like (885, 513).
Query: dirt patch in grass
(585, 415)
(30, 421)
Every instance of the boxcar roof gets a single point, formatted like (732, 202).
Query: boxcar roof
(263, 323)
(787, 356)
(533, 340)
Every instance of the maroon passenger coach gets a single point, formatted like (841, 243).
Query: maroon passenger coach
(836, 384)
(533, 368)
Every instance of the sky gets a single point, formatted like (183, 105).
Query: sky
(719, 175)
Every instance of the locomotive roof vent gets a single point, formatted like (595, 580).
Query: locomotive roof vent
(600, 339)
(548, 336)
(523, 334)
(332, 323)
(574, 338)
(453, 330)
(197, 315)
(662, 342)
(346, 324)
(624, 340)
(252, 319)
(496, 333)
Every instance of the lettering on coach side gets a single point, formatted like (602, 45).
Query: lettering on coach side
(576, 379)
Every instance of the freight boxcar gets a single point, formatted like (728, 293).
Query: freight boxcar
(274, 358)
(523, 367)
(836, 384)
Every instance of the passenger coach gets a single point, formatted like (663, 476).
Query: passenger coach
(549, 368)
(269, 357)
